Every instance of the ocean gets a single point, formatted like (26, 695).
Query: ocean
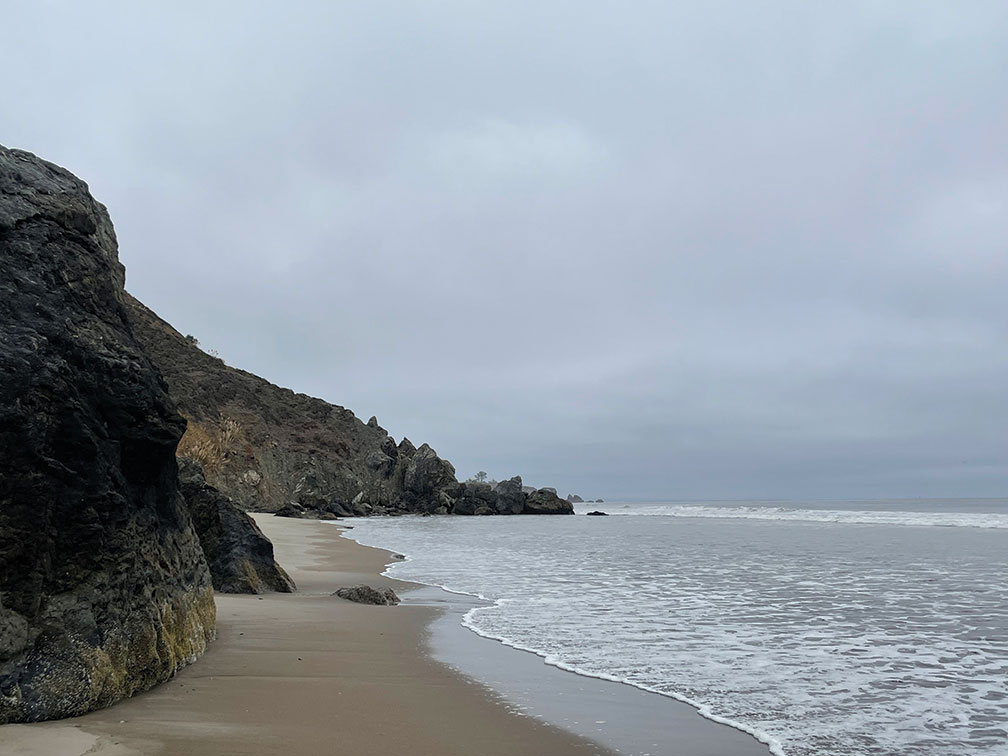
(821, 628)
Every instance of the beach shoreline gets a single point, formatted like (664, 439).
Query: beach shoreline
(626, 718)
(307, 673)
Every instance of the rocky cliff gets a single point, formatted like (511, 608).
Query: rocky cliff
(104, 590)
(265, 446)
(272, 450)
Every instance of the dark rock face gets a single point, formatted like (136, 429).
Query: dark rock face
(365, 594)
(597, 513)
(104, 590)
(511, 496)
(475, 498)
(426, 476)
(546, 501)
(239, 555)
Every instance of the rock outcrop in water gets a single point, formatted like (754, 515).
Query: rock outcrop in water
(240, 557)
(546, 501)
(104, 590)
(428, 480)
(511, 496)
(506, 498)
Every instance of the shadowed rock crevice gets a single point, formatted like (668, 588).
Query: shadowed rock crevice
(239, 555)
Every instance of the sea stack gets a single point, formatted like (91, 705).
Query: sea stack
(104, 590)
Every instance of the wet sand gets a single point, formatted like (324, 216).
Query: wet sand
(626, 719)
(308, 673)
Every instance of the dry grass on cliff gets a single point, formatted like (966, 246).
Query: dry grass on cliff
(209, 444)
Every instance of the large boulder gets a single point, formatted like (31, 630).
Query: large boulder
(475, 498)
(546, 501)
(239, 555)
(427, 479)
(510, 496)
(104, 590)
(365, 594)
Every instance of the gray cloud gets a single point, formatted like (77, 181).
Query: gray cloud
(675, 250)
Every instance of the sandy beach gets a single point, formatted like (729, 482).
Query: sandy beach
(307, 673)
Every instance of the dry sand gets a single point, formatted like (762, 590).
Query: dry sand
(306, 673)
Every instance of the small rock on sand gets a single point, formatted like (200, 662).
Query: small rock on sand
(365, 594)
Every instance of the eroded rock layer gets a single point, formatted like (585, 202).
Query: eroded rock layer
(104, 590)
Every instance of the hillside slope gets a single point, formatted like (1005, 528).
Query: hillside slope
(265, 446)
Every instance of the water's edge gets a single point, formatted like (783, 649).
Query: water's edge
(462, 613)
(801, 627)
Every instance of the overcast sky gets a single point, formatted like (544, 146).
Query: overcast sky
(650, 250)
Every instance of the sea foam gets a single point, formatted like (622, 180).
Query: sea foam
(993, 520)
(818, 636)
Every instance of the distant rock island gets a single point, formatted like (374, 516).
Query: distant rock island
(109, 553)
(573, 498)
